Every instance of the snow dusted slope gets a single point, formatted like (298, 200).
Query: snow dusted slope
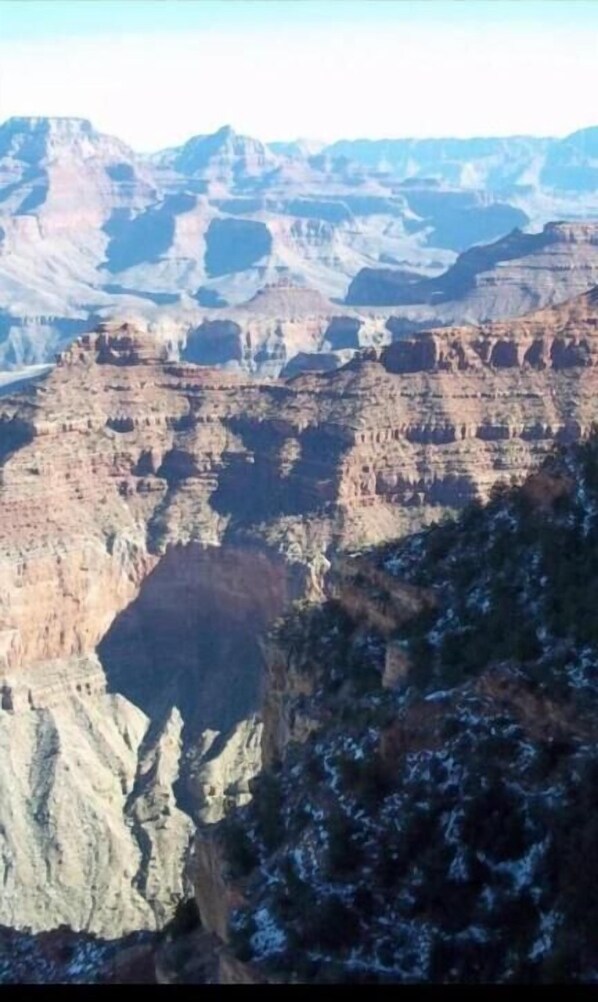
(429, 812)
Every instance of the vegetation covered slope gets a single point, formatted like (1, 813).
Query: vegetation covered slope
(432, 814)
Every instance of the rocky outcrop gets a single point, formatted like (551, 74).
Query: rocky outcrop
(284, 328)
(375, 599)
(547, 339)
(214, 895)
(226, 763)
(91, 836)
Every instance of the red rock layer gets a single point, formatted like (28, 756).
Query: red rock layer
(120, 454)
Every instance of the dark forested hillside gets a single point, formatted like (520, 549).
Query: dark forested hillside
(429, 811)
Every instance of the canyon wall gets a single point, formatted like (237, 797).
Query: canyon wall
(157, 517)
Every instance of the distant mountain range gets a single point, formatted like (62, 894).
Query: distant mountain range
(90, 228)
(495, 164)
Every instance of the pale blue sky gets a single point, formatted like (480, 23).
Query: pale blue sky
(51, 18)
(156, 71)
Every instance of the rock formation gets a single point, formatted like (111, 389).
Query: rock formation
(157, 516)
(518, 273)
(91, 835)
(89, 228)
(284, 328)
(221, 158)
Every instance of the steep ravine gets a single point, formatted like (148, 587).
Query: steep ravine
(191, 639)
(108, 757)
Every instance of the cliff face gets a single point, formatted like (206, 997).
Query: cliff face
(159, 516)
(552, 338)
(90, 832)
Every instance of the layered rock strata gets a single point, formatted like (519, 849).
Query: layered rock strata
(517, 273)
(284, 328)
(156, 517)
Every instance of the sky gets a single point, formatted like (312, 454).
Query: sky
(155, 72)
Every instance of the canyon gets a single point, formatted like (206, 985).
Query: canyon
(158, 516)
(184, 239)
(285, 329)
